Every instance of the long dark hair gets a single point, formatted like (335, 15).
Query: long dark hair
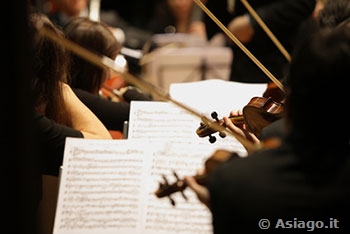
(50, 65)
(319, 127)
(334, 12)
(96, 37)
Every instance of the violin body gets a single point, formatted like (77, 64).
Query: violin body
(260, 112)
(274, 92)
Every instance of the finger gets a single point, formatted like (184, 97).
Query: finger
(230, 125)
(201, 191)
(233, 113)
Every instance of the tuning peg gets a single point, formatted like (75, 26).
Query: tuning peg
(184, 196)
(176, 176)
(214, 115)
(172, 201)
(165, 180)
(222, 134)
(212, 139)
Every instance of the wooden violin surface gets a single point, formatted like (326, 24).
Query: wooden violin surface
(257, 114)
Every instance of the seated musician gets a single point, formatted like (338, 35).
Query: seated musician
(58, 113)
(328, 14)
(306, 178)
(88, 79)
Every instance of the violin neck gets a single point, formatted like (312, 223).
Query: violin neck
(237, 119)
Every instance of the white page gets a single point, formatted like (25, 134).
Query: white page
(107, 186)
(167, 65)
(216, 95)
(165, 120)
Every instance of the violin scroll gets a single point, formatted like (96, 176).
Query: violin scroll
(165, 189)
(257, 114)
(206, 128)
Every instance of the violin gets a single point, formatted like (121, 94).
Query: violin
(274, 92)
(165, 189)
(257, 114)
(111, 86)
(211, 164)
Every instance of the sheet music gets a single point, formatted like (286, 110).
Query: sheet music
(165, 120)
(107, 186)
(216, 95)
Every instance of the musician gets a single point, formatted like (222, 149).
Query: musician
(307, 177)
(333, 13)
(58, 113)
(172, 16)
(88, 79)
(133, 36)
(327, 14)
(282, 17)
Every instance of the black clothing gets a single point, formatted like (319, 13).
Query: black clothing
(52, 139)
(273, 184)
(274, 129)
(112, 114)
(21, 181)
(282, 17)
(134, 94)
(52, 136)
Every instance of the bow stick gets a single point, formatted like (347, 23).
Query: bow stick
(239, 44)
(267, 30)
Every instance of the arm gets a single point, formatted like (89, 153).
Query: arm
(112, 114)
(201, 191)
(278, 16)
(51, 139)
(83, 119)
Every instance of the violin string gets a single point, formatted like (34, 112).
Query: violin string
(105, 62)
(240, 45)
(267, 30)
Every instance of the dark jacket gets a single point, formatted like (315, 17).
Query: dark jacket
(51, 139)
(282, 17)
(112, 114)
(274, 184)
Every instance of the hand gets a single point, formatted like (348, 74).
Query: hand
(122, 91)
(201, 191)
(241, 28)
(82, 118)
(242, 129)
(198, 28)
